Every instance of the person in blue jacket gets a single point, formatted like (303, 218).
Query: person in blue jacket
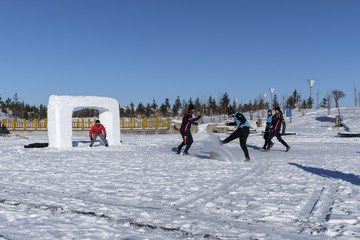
(274, 131)
(185, 132)
(242, 131)
(267, 129)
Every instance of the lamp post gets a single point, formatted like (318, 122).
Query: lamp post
(264, 95)
(311, 83)
(272, 90)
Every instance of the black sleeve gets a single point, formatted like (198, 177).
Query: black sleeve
(240, 117)
(231, 124)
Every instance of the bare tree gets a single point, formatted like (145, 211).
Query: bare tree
(337, 95)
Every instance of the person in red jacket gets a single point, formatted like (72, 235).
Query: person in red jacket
(98, 130)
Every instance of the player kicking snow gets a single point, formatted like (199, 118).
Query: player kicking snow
(242, 131)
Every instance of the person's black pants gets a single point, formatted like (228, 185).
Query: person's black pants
(242, 134)
(187, 140)
(273, 133)
(266, 137)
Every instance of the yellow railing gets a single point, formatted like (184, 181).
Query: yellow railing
(82, 124)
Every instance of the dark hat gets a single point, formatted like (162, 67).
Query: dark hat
(97, 121)
(230, 111)
(269, 111)
(277, 108)
(191, 107)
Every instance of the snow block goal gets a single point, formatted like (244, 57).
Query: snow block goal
(60, 109)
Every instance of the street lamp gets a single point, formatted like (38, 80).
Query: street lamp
(311, 83)
(272, 90)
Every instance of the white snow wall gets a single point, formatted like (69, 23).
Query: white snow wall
(60, 109)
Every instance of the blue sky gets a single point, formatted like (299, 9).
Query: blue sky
(140, 50)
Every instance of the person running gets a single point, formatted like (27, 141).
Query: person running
(267, 129)
(185, 129)
(274, 130)
(242, 131)
(98, 130)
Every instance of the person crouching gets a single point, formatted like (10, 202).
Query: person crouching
(98, 130)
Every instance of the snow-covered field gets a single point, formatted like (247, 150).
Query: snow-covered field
(143, 190)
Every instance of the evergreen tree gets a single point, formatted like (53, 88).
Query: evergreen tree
(324, 103)
(275, 102)
(128, 112)
(224, 103)
(165, 107)
(148, 110)
(309, 102)
(140, 110)
(191, 101)
(211, 106)
(294, 99)
(154, 106)
(198, 106)
(234, 105)
(132, 110)
(184, 106)
(176, 107)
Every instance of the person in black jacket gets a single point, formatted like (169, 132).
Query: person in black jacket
(242, 131)
(185, 129)
(274, 129)
(267, 129)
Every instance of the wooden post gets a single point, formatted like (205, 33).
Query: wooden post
(46, 122)
(82, 124)
(24, 124)
(144, 123)
(36, 124)
(168, 122)
(156, 123)
(122, 123)
(14, 124)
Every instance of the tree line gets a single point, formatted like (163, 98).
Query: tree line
(218, 107)
(15, 107)
(211, 106)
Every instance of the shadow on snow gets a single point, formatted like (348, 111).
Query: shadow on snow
(348, 177)
(325, 119)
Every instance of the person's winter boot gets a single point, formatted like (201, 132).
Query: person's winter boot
(185, 153)
(287, 149)
(178, 150)
(247, 159)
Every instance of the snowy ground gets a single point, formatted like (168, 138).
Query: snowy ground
(143, 190)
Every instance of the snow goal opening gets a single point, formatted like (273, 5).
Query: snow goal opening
(60, 109)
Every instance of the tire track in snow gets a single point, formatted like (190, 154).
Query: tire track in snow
(122, 220)
(220, 189)
(317, 209)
